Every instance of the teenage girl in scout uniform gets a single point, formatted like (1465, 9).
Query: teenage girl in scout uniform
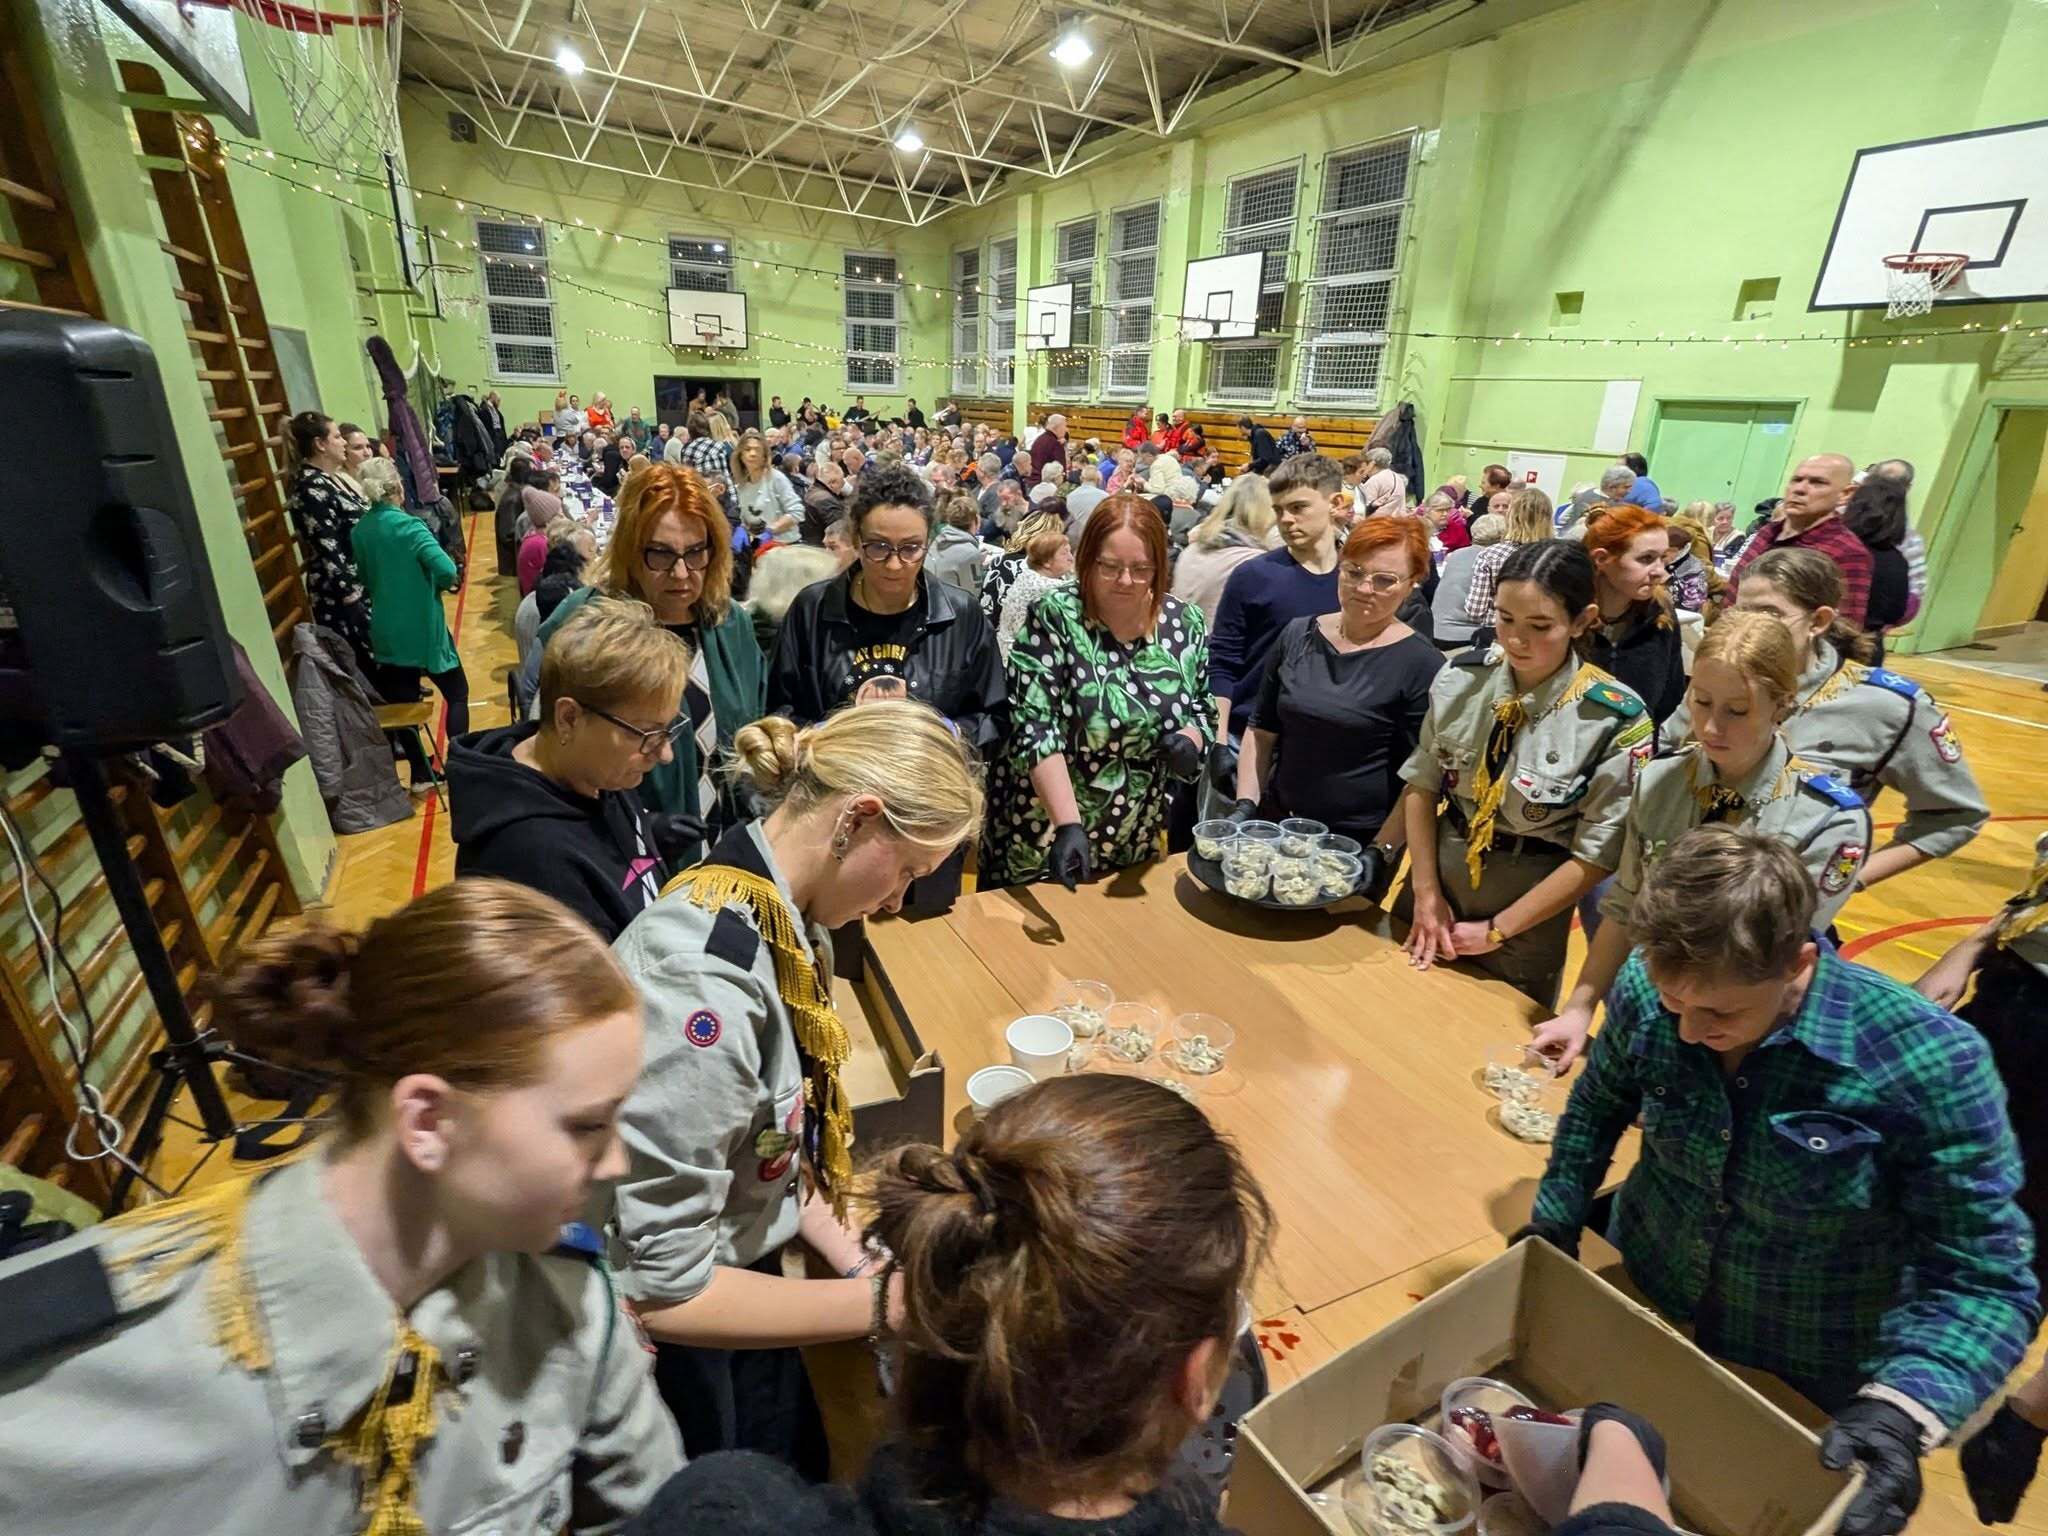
(1862, 724)
(1518, 786)
(1745, 678)
(740, 1133)
(372, 1337)
(2008, 956)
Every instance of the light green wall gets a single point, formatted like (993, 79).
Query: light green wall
(71, 56)
(1700, 143)
(805, 312)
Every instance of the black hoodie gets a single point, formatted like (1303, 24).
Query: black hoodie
(592, 855)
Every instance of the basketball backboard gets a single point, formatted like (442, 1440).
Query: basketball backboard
(1982, 194)
(199, 41)
(1221, 302)
(699, 319)
(1049, 317)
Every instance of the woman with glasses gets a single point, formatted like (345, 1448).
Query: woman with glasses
(885, 628)
(550, 803)
(1342, 703)
(672, 550)
(1110, 700)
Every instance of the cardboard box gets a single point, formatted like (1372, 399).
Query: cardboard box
(1739, 1466)
(911, 1104)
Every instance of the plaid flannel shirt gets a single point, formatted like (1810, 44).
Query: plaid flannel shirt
(1840, 1212)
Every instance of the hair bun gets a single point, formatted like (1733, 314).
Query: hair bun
(769, 753)
(288, 1000)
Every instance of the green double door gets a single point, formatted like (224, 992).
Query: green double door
(1721, 450)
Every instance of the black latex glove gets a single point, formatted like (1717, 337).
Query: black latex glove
(676, 834)
(1644, 1431)
(1377, 873)
(1244, 810)
(1068, 859)
(1222, 763)
(1564, 1239)
(1999, 1463)
(1886, 1440)
(1182, 756)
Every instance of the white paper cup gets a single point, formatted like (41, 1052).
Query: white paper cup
(991, 1085)
(1039, 1044)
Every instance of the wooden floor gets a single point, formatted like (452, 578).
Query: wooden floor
(1899, 928)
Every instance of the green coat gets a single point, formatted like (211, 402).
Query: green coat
(739, 696)
(405, 571)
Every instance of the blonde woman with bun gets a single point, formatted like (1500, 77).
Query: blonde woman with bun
(1738, 769)
(739, 1133)
(389, 1333)
(1071, 1274)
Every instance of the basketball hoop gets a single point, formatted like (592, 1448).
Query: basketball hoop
(707, 339)
(1913, 278)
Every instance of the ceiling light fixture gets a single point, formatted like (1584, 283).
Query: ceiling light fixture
(1073, 49)
(568, 60)
(909, 140)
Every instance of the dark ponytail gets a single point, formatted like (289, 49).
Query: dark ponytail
(301, 433)
(1563, 571)
(1810, 580)
(1080, 1242)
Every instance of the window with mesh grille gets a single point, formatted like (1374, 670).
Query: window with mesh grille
(1133, 274)
(519, 304)
(702, 263)
(870, 290)
(1358, 243)
(1259, 216)
(1243, 373)
(1072, 368)
(967, 366)
(1002, 314)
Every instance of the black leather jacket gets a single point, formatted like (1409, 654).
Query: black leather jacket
(954, 664)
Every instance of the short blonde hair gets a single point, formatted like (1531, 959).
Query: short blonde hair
(903, 753)
(380, 482)
(609, 653)
(1043, 546)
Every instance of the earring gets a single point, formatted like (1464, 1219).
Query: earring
(842, 839)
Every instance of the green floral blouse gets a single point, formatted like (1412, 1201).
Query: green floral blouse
(1108, 707)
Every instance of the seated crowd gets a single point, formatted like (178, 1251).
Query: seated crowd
(793, 676)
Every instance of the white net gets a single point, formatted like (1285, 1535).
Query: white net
(1914, 281)
(341, 84)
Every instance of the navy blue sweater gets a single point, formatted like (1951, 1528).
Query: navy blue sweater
(1258, 600)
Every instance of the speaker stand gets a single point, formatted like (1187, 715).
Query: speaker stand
(186, 1059)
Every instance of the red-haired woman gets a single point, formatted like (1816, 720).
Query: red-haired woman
(672, 550)
(1343, 700)
(1637, 639)
(1109, 695)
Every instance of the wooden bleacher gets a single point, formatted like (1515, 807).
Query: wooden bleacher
(1336, 436)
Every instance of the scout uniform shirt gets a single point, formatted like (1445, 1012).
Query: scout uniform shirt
(1824, 822)
(212, 1366)
(1872, 728)
(1568, 772)
(715, 1126)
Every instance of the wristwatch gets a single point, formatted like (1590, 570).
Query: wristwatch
(1494, 936)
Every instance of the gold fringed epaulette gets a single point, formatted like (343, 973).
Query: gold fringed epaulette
(820, 1034)
(155, 1244)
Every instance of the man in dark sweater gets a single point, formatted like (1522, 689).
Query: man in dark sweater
(1265, 452)
(1262, 594)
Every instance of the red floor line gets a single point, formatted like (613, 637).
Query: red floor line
(419, 866)
(1878, 936)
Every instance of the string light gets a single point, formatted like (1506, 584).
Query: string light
(252, 154)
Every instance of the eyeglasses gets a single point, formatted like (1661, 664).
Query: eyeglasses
(647, 743)
(878, 551)
(660, 559)
(1379, 581)
(1115, 572)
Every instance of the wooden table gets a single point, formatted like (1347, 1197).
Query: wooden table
(1353, 1086)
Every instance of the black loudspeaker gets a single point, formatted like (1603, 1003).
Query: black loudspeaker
(111, 635)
